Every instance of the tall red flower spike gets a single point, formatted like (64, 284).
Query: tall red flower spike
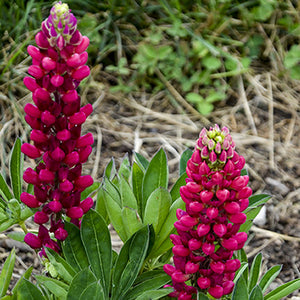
(58, 66)
(208, 231)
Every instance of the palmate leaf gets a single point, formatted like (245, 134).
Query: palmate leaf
(156, 176)
(124, 170)
(73, 249)
(175, 194)
(256, 293)
(4, 189)
(185, 156)
(97, 243)
(254, 271)
(137, 185)
(283, 290)
(157, 208)
(6, 272)
(80, 282)
(151, 280)
(141, 161)
(56, 287)
(162, 239)
(93, 291)
(28, 291)
(240, 290)
(15, 168)
(114, 212)
(127, 196)
(129, 263)
(131, 221)
(65, 270)
(155, 294)
(269, 276)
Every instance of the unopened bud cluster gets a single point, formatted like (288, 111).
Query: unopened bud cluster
(56, 117)
(208, 231)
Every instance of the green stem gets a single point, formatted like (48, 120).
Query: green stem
(23, 226)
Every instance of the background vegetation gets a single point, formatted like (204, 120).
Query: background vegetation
(161, 70)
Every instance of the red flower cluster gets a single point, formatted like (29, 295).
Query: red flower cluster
(58, 66)
(208, 231)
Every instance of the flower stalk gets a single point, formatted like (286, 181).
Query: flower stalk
(215, 195)
(56, 117)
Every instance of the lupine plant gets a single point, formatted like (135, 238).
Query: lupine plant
(58, 66)
(210, 205)
(216, 196)
(209, 230)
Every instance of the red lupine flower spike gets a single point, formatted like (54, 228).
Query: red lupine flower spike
(215, 196)
(58, 66)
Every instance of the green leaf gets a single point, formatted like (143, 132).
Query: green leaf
(65, 271)
(26, 212)
(93, 291)
(73, 248)
(112, 190)
(246, 226)
(162, 240)
(25, 275)
(96, 241)
(90, 190)
(295, 72)
(4, 189)
(137, 185)
(6, 223)
(127, 195)
(283, 290)
(157, 294)
(211, 63)
(240, 290)
(56, 287)
(110, 170)
(141, 161)
(129, 263)
(175, 194)
(252, 212)
(114, 212)
(15, 169)
(150, 280)
(6, 272)
(254, 271)
(257, 200)
(201, 296)
(157, 208)
(156, 176)
(28, 291)
(242, 271)
(15, 207)
(269, 276)
(124, 170)
(17, 236)
(194, 98)
(100, 207)
(131, 221)
(185, 156)
(30, 188)
(205, 108)
(256, 293)
(80, 281)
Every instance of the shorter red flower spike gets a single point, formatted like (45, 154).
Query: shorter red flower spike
(215, 195)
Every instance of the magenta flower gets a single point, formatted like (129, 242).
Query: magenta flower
(208, 231)
(58, 66)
